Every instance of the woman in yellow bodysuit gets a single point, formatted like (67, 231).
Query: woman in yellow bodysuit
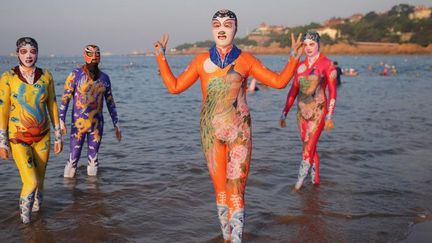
(225, 124)
(26, 93)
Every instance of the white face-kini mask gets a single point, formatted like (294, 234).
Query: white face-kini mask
(224, 30)
(27, 55)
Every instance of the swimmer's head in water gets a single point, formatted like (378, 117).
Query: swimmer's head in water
(91, 54)
(311, 42)
(224, 27)
(27, 51)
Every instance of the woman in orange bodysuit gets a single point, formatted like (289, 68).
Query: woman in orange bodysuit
(225, 124)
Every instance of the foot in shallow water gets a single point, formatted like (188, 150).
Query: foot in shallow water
(295, 188)
(69, 170)
(302, 174)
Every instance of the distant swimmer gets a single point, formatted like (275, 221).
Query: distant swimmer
(338, 72)
(27, 105)
(89, 87)
(315, 111)
(253, 86)
(351, 72)
(394, 70)
(225, 123)
(385, 70)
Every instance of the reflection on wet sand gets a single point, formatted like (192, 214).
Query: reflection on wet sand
(314, 227)
(89, 215)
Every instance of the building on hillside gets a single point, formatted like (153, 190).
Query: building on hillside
(266, 29)
(420, 12)
(260, 39)
(262, 34)
(355, 18)
(404, 36)
(333, 22)
(331, 32)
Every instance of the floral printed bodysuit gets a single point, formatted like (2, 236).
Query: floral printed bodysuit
(225, 123)
(309, 85)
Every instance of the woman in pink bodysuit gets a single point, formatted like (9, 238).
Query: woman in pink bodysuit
(315, 110)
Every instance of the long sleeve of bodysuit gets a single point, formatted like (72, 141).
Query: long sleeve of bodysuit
(270, 78)
(184, 80)
(69, 90)
(331, 101)
(4, 110)
(292, 95)
(53, 108)
(110, 103)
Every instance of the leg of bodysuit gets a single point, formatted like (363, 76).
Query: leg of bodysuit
(315, 128)
(23, 156)
(76, 143)
(229, 176)
(315, 169)
(41, 154)
(312, 131)
(304, 165)
(237, 172)
(94, 140)
(217, 160)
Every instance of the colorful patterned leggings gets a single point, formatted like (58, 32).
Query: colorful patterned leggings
(31, 161)
(93, 144)
(310, 131)
(230, 192)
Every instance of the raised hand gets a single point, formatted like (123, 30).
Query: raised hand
(161, 44)
(296, 45)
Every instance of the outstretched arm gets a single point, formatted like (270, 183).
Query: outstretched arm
(4, 116)
(272, 79)
(173, 84)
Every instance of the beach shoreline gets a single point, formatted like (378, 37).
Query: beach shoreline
(359, 48)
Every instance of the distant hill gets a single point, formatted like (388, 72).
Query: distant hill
(402, 24)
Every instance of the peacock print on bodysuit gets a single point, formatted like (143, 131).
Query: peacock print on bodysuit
(309, 85)
(225, 122)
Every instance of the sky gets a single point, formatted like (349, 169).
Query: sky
(64, 27)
